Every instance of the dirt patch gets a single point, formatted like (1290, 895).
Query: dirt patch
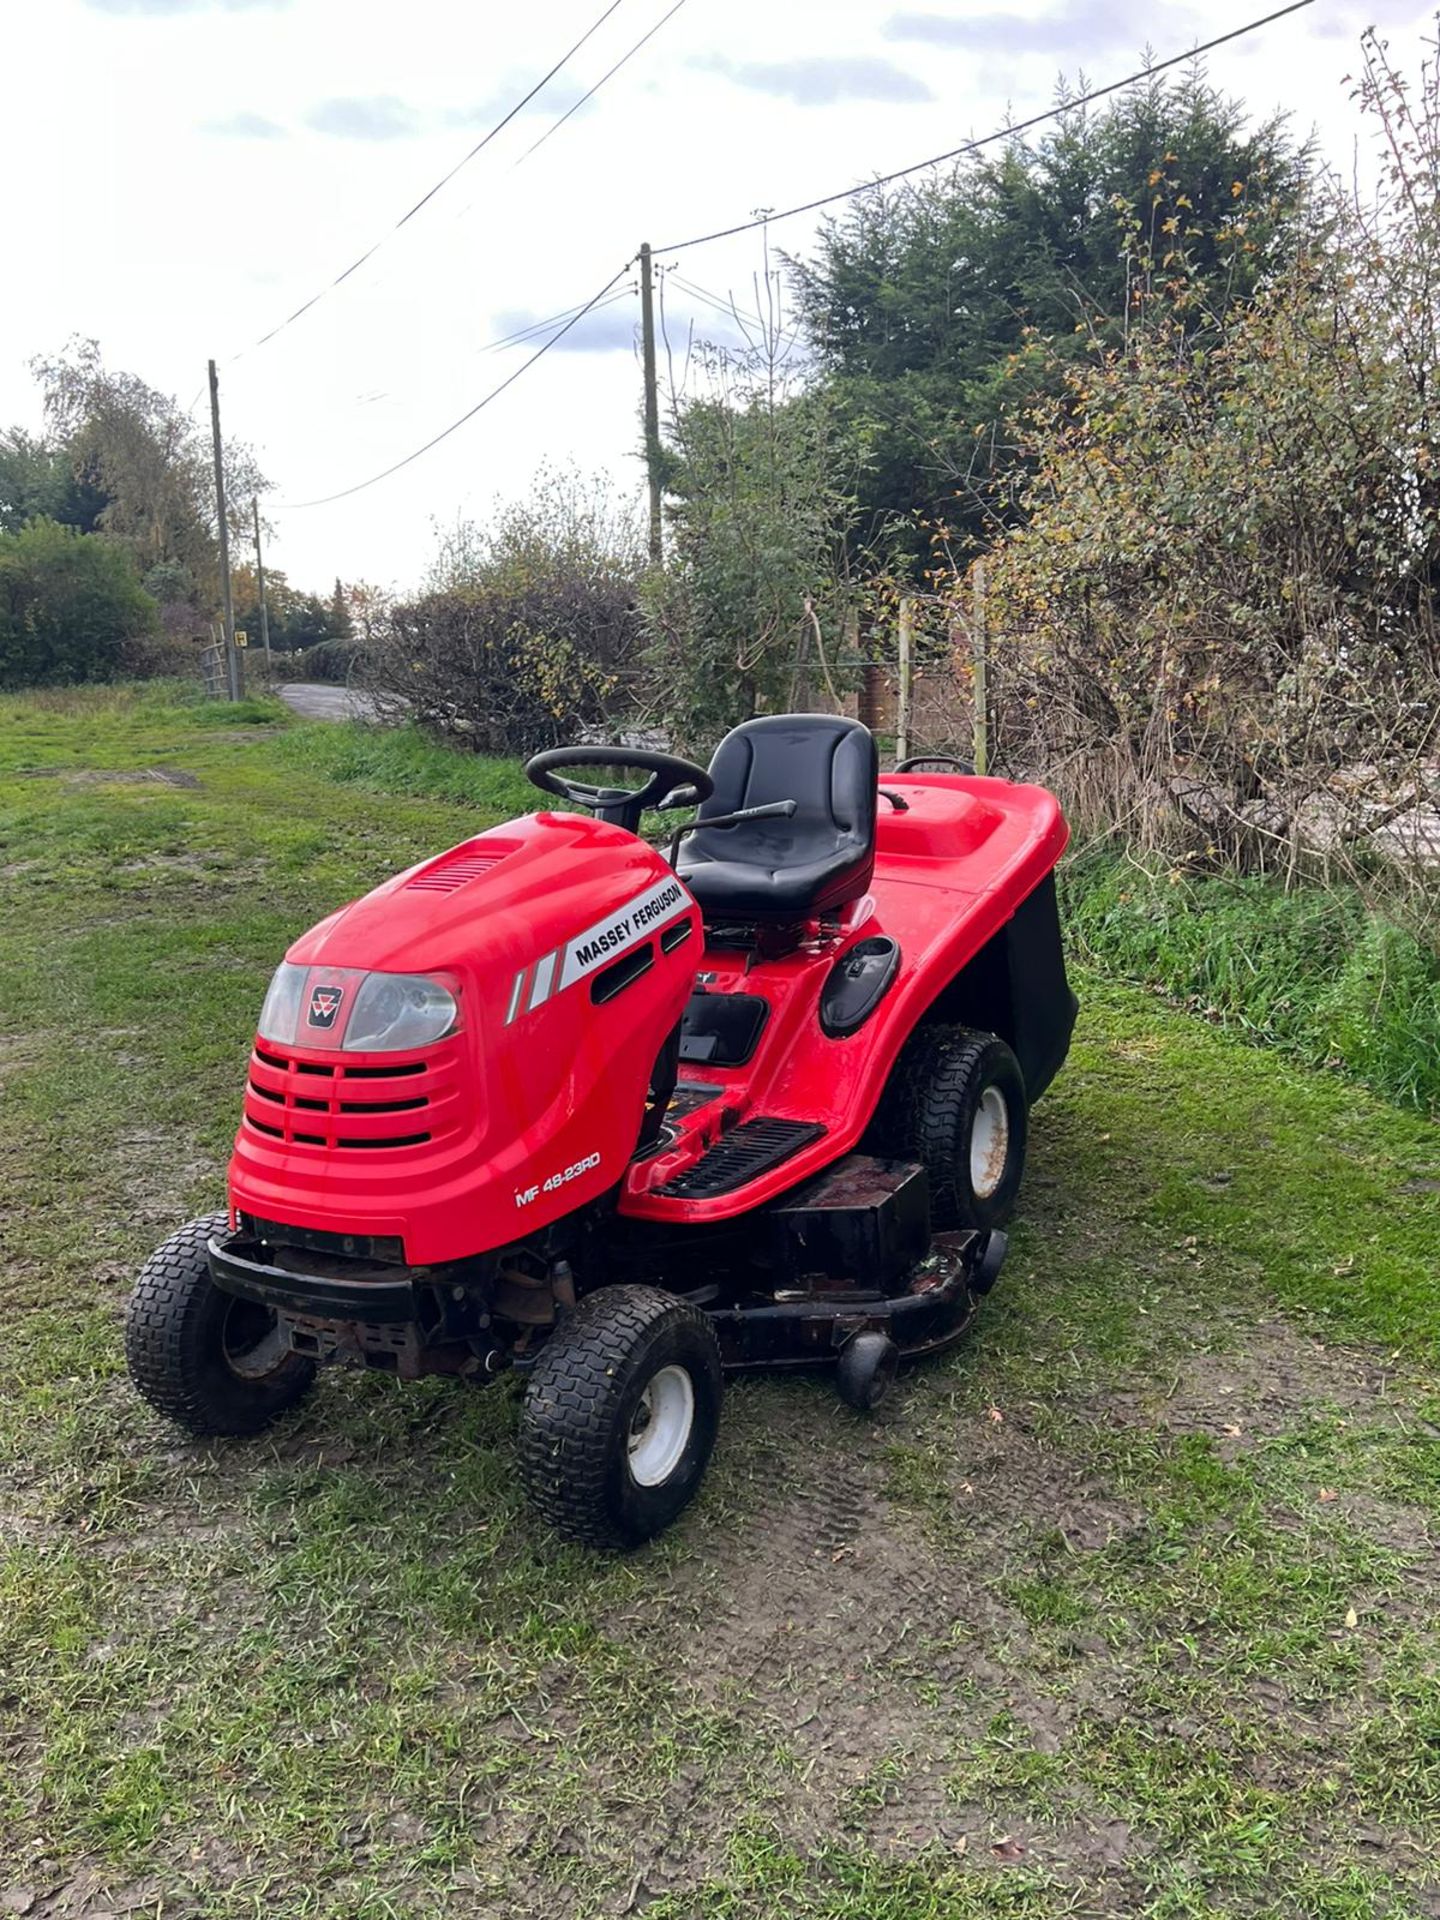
(157, 863)
(869, 1661)
(91, 1894)
(1391, 1524)
(876, 1656)
(1254, 1386)
(114, 777)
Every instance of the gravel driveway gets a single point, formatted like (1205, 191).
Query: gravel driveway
(315, 702)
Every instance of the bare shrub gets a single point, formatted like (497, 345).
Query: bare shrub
(479, 666)
(1217, 627)
(530, 630)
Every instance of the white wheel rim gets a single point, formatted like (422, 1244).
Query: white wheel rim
(989, 1143)
(660, 1428)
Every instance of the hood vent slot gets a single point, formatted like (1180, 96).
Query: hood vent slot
(454, 870)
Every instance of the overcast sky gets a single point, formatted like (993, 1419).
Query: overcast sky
(181, 174)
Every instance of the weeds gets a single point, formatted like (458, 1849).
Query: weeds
(1313, 970)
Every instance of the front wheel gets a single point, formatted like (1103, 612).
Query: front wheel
(620, 1415)
(208, 1361)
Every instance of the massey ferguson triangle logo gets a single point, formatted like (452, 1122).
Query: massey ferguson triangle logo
(324, 1005)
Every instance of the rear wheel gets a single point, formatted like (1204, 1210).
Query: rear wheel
(620, 1415)
(956, 1101)
(211, 1362)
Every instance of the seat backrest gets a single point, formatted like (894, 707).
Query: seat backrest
(828, 765)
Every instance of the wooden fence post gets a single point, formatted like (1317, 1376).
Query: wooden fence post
(980, 697)
(902, 711)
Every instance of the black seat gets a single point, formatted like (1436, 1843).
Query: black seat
(787, 868)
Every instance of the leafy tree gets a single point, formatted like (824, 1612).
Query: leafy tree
(368, 606)
(38, 481)
(304, 623)
(148, 458)
(69, 606)
(938, 309)
(297, 619)
(339, 615)
(760, 484)
(170, 583)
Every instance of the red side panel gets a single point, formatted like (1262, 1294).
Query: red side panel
(949, 872)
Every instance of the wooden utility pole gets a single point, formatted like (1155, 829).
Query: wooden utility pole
(260, 582)
(232, 666)
(980, 697)
(652, 404)
(902, 711)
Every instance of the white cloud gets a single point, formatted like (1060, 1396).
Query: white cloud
(819, 80)
(556, 98)
(245, 125)
(1072, 33)
(381, 117)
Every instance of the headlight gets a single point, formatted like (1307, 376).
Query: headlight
(397, 1010)
(359, 1011)
(280, 1015)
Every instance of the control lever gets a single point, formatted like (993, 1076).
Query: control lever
(775, 810)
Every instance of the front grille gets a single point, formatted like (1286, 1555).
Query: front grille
(309, 1103)
(741, 1156)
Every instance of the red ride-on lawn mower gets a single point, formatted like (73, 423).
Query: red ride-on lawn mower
(557, 1102)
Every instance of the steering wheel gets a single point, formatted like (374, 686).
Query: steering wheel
(934, 760)
(673, 782)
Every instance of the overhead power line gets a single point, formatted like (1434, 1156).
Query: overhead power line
(987, 140)
(444, 181)
(294, 506)
(722, 303)
(809, 206)
(533, 330)
(537, 327)
(585, 98)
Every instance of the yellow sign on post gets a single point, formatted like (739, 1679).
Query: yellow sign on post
(242, 639)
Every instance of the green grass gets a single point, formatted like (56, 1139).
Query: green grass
(1127, 1606)
(1310, 969)
(400, 760)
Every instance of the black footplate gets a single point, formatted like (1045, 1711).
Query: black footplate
(745, 1152)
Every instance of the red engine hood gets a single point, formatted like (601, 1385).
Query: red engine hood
(533, 1105)
(507, 896)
